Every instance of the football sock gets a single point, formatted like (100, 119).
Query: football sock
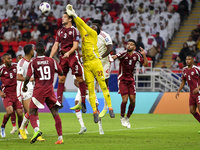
(79, 117)
(106, 93)
(13, 119)
(60, 92)
(82, 87)
(100, 124)
(197, 116)
(38, 121)
(5, 120)
(123, 109)
(58, 125)
(130, 110)
(105, 105)
(27, 125)
(33, 121)
(20, 121)
(60, 137)
(25, 121)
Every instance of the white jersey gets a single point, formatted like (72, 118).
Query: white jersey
(22, 67)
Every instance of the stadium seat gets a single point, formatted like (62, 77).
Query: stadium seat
(54, 36)
(126, 30)
(113, 13)
(23, 31)
(22, 43)
(87, 19)
(2, 53)
(13, 43)
(14, 60)
(198, 64)
(149, 63)
(125, 25)
(115, 18)
(5, 45)
(180, 65)
(59, 22)
(5, 20)
(32, 42)
(131, 24)
(175, 7)
(154, 35)
(44, 37)
(57, 2)
(15, 49)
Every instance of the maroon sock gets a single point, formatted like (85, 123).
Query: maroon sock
(197, 116)
(26, 126)
(5, 120)
(60, 91)
(130, 110)
(13, 119)
(123, 109)
(33, 120)
(58, 125)
(20, 121)
(82, 87)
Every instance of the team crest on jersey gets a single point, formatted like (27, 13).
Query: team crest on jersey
(6, 72)
(14, 70)
(192, 73)
(70, 32)
(134, 58)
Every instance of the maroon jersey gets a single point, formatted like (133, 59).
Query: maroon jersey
(127, 65)
(192, 76)
(43, 69)
(8, 78)
(66, 37)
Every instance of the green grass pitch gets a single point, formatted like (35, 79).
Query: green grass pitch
(148, 132)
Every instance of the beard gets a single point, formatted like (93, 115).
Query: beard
(129, 50)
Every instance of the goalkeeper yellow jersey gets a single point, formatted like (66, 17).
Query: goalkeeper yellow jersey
(89, 40)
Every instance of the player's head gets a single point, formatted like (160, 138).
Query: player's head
(96, 28)
(97, 22)
(40, 49)
(189, 60)
(131, 46)
(7, 59)
(66, 19)
(19, 57)
(29, 50)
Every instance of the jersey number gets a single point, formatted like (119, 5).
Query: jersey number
(11, 75)
(65, 35)
(100, 73)
(45, 73)
(189, 77)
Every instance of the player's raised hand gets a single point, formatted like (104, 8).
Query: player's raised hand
(142, 51)
(70, 7)
(24, 89)
(2, 94)
(70, 11)
(177, 95)
(196, 91)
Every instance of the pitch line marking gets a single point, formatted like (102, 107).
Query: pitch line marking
(84, 133)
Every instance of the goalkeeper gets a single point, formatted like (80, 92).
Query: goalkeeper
(92, 63)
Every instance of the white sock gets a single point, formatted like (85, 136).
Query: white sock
(36, 129)
(38, 123)
(105, 105)
(80, 119)
(24, 122)
(60, 137)
(100, 124)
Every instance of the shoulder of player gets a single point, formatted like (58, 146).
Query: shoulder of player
(104, 34)
(2, 66)
(59, 31)
(14, 64)
(137, 54)
(184, 68)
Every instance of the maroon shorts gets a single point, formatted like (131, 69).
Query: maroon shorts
(73, 63)
(126, 87)
(37, 101)
(194, 99)
(12, 101)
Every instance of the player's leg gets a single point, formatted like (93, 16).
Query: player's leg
(19, 112)
(13, 121)
(193, 104)
(9, 111)
(26, 124)
(130, 109)
(123, 109)
(26, 104)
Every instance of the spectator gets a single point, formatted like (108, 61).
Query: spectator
(35, 33)
(198, 57)
(51, 17)
(184, 52)
(198, 42)
(106, 17)
(48, 51)
(2, 12)
(119, 24)
(9, 12)
(49, 38)
(40, 39)
(11, 51)
(195, 50)
(14, 18)
(159, 40)
(196, 33)
(164, 65)
(98, 3)
(169, 6)
(16, 35)
(125, 16)
(6, 5)
(190, 42)
(139, 44)
(123, 42)
(141, 8)
(32, 15)
(183, 9)
(106, 6)
(133, 33)
(97, 14)
(19, 57)
(174, 64)
(8, 35)
(20, 51)
(115, 7)
(56, 12)
(27, 35)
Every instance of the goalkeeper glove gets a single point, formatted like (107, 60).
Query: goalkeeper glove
(70, 11)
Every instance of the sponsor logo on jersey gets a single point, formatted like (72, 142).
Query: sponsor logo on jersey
(70, 32)
(106, 39)
(134, 58)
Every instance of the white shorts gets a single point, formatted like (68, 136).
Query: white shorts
(106, 69)
(78, 96)
(24, 95)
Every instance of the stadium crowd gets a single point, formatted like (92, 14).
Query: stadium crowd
(152, 23)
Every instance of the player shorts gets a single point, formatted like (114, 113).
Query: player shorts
(126, 87)
(38, 102)
(106, 69)
(78, 96)
(12, 101)
(73, 63)
(24, 95)
(194, 99)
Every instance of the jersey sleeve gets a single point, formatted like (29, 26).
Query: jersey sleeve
(108, 40)
(58, 68)
(30, 70)
(76, 35)
(183, 75)
(121, 55)
(20, 69)
(57, 36)
(140, 58)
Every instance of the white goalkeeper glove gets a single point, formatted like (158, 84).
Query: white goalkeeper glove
(70, 11)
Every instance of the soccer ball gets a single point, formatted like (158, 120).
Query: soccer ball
(45, 7)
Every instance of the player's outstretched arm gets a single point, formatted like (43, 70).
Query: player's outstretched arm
(144, 57)
(108, 51)
(180, 88)
(54, 49)
(114, 57)
(2, 94)
(196, 90)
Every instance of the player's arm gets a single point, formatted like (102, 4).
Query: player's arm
(75, 46)
(108, 51)
(2, 94)
(142, 51)
(54, 49)
(180, 88)
(58, 68)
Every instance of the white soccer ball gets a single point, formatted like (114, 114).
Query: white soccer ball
(45, 7)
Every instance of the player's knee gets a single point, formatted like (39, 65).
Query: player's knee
(20, 113)
(76, 102)
(80, 79)
(124, 101)
(192, 112)
(9, 112)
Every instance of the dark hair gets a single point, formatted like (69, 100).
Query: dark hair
(28, 48)
(97, 21)
(98, 30)
(6, 54)
(40, 48)
(190, 56)
(131, 40)
(71, 17)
